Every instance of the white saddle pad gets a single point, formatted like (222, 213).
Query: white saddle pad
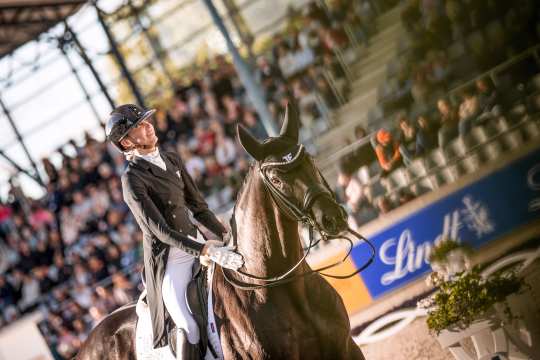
(144, 336)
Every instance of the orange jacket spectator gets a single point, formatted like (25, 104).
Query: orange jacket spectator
(387, 151)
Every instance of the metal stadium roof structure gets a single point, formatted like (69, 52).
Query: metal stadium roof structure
(24, 20)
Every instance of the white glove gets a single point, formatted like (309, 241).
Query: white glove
(225, 257)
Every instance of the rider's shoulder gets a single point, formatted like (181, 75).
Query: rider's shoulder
(130, 175)
(173, 156)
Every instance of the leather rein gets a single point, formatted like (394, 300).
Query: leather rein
(302, 215)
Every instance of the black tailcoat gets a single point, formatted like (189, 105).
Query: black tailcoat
(159, 201)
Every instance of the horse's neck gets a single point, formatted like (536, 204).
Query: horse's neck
(268, 240)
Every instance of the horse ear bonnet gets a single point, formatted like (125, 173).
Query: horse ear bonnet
(252, 146)
(287, 141)
(291, 125)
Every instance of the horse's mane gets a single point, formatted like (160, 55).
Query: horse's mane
(244, 186)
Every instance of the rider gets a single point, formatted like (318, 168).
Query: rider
(159, 191)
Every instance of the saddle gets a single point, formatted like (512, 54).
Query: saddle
(197, 301)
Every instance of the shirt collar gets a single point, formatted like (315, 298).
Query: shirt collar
(143, 161)
(150, 156)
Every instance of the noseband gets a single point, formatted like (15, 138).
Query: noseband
(302, 214)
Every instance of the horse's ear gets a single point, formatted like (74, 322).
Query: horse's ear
(290, 127)
(252, 146)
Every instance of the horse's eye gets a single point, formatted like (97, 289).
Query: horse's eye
(275, 181)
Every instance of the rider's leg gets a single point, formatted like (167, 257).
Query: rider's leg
(175, 282)
(184, 349)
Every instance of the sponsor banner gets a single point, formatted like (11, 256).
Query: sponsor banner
(476, 214)
(353, 291)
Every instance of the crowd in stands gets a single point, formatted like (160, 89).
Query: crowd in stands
(434, 92)
(75, 254)
(56, 251)
(451, 40)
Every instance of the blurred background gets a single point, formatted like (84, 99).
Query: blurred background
(423, 115)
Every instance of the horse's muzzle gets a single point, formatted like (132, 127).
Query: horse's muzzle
(330, 216)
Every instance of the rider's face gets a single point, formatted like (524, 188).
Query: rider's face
(143, 134)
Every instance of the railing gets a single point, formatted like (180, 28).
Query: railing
(533, 51)
(454, 160)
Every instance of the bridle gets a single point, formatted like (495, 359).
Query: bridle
(302, 214)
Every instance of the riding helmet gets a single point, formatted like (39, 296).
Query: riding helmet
(122, 120)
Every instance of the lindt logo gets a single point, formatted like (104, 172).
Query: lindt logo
(407, 256)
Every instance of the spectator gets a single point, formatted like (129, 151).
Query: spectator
(16, 280)
(96, 314)
(30, 291)
(352, 190)
(405, 196)
(7, 293)
(426, 136)
(255, 126)
(488, 98)
(439, 71)
(60, 271)
(123, 290)
(383, 205)
(225, 150)
(82, 294)
(408, 144)
(449, 120)
(356, 198)
(420, 88)
(457, 14)
(469, 110)
(387, 151)
(164, 130)
(50, 170)
(361, 156)
(193, 163)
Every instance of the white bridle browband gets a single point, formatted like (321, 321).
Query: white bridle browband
(286, 159)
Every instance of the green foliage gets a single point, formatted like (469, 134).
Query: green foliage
(463, 300)
(439, 252)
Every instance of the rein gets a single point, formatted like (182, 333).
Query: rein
(301, 215)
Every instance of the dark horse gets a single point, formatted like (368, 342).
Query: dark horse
(298, 316)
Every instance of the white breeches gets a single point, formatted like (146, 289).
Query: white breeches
(173, 290)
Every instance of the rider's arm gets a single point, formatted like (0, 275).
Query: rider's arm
(150, 219)
(198, 206)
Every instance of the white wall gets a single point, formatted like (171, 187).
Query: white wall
(23, 341)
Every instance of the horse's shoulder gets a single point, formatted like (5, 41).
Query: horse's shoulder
(127, 307)
(113, 331)
(125, 311)
(117, 320)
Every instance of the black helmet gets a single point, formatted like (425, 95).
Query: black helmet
(122, 120)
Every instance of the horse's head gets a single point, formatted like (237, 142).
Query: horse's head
(290, 175)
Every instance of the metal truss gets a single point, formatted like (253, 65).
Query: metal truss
(24, 20)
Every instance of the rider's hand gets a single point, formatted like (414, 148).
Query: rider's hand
(204, 259)
(222, 255)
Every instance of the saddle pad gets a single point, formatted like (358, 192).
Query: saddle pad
(213, 334)
(144, 336)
